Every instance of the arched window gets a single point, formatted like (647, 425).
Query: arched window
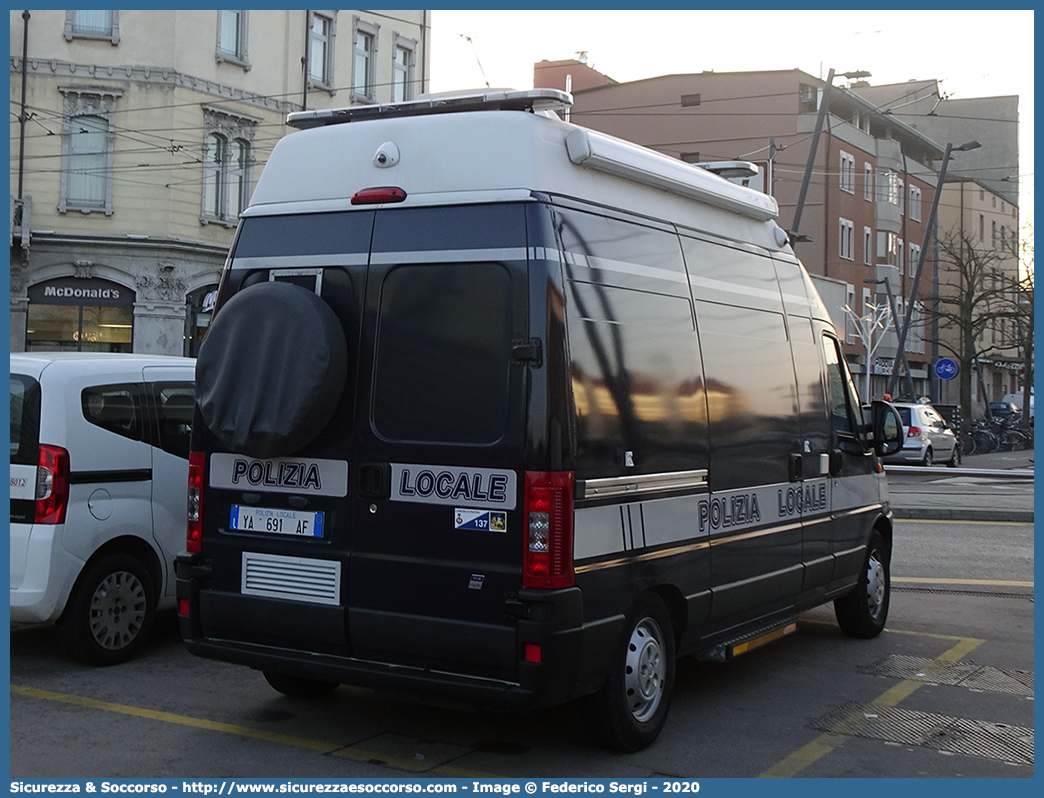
(226, 168)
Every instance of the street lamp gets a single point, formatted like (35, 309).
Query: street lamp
(928, 232)
(895, 314)
(815, 144)
(867, 327)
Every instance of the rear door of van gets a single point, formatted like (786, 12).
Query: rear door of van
(437, 455)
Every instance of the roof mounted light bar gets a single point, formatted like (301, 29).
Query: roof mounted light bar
(534, 101)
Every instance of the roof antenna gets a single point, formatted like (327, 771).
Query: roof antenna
(473, 50)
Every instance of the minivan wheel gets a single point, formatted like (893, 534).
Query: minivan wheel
(629, 711)
(298, 686)
(110, 611)
(862, 613)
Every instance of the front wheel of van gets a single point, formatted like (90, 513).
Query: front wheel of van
(862, 613)
(110, 611)
(629, 711)
(298, 686)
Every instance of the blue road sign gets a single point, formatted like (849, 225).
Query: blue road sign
(946, 369)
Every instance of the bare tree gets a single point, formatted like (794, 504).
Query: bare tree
(981, 307)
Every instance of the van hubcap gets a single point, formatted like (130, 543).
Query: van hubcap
(645, 670)
(117, 610)
(875, 585)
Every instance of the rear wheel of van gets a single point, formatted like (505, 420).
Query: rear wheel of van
(110, 611)
(298, 686)
(862, 613)
(629, 711)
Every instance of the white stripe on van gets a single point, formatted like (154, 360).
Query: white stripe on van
(619, 528)
(448, 256)
(300, 261)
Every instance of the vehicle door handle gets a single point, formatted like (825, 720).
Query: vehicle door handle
(837, 460)
(375, 480)
(797, 467)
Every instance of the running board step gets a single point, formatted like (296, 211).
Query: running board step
(723, 652)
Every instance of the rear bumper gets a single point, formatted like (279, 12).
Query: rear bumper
(42, 572)
(568, 664)
(904, 455)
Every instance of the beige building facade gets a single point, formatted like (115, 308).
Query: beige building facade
(981, 221)
(139, 139)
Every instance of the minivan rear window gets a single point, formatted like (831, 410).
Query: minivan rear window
(443, 355)
(25, 420)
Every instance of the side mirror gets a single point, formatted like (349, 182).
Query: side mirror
(887, 428)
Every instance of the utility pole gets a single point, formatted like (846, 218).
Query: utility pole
(820, 117)
(22, 117)
(929, 230)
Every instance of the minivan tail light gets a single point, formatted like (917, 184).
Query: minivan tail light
(374, 196)
(548, 556)
(52, 485)
(196, 473)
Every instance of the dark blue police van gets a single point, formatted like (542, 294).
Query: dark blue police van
(501, 409)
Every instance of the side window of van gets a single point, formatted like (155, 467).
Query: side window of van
(841, 394)
(116, 408)
(443, 353)
(175, 403)
(637, 386)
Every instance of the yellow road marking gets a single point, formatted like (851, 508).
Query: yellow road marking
(348, 752)
(931, 580)
(828, 741)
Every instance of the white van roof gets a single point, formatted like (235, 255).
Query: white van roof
(492, 146)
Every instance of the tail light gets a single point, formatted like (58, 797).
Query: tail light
(52, 485)
(913, 432)
(196, 471)
(374, 196)
(548, 557)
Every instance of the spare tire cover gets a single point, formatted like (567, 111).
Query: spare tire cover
(271, 369)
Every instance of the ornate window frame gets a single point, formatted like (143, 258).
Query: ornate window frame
(365, 90)
(93, 101)
(406, 71)
(238, 58)
(112, 35)
(326, 83)
(230, 129)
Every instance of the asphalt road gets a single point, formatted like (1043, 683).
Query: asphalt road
(946, 691)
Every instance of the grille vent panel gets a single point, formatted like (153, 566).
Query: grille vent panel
(291, 578)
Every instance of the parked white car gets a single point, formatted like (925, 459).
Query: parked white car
(927, 438)
(99, 464)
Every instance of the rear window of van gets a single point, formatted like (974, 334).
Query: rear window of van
(443, 353)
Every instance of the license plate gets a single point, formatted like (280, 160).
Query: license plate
(276, 522)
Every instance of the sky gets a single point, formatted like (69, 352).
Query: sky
(972, 53)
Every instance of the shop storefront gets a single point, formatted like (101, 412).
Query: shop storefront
(200, 309)
(78, 315)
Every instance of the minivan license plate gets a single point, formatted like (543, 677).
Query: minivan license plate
(276, 522)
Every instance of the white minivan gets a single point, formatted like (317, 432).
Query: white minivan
(99, 448)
